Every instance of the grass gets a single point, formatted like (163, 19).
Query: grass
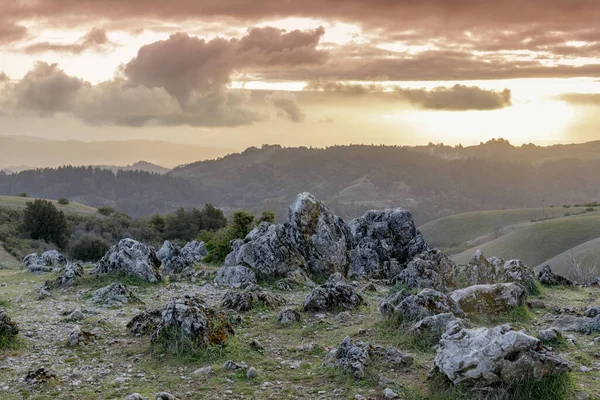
(451, 233)
(19, 203)
(550, 388)
(517, 315)
(11, 342)
(538, 242)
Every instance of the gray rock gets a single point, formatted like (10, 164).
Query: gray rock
(592, 312)
(235, 277)
(175, 260)
(398, 358)
(426, 303)
(479, 271)
(204, 371)
(131, 258)
(547, 277)
(248, 299)
(194, 252)
(135, 396)
(550, 334)
(389, 394)
(488, 356)
(189, 319)
(517, 272)
(430, 269)
(434, 326)
(288, 316)
(252, 373)
(332, 296)
(573, 323)
(75, 315)
(167, 251)
(115, 294)
(489, 299)
(46, 262)
(351, 357)
(7, 326)
(344, 316)
(72, 271)
(39, 376)
(165, 396)
(78, 336)
(232, 366)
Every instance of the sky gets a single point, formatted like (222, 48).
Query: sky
(235, 73)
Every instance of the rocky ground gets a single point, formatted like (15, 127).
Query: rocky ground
(288, 359)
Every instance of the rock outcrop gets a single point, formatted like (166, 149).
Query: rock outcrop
(46, 262)
(380, 244)
(192, 323)
(73, 271)
(334, 295)
(194, 252)
(489, 299)
(144, 323)
(549, 278)
(113, 295)
(288, 316)
(485, 357)
(235, 277)
(415, 307)
(351, 357)
(574, 323)
(175, 259)
(434, 326)
(131, 258)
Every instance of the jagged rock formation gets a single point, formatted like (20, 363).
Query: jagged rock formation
(574, 323)
(191, 321)
(235, 277)
(288, 316)
(489, 299)
(484, 271)
(131, 258)
(414, 307)
(351, 357)
(380, 244)
(46, 262)
(549, 278)
(113, 295)
(144, 323)
(334, 295)
(194, 252)
(176, 259)
(72, 271)
(485, 357)
(434, 326)
(79, 336)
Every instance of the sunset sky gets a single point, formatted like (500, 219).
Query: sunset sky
(235, 73)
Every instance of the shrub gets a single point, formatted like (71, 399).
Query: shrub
(63, 201)
(266, 216)
(89, 248)
(106, 211)
(23, 194)
(42, 220)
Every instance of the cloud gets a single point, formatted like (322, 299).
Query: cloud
(179, 81)
(95, 40)
(455, 98)
(581, 99)
(286, 105)
(11, 32)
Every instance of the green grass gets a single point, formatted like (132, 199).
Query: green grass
(517, 315)
(550, 388)
(11, 342)
(538, 242)
(19, 203)
(451, 233)
(588, 253)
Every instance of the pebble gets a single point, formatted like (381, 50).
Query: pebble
(252, 373)
(389, 394)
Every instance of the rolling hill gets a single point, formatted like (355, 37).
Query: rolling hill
(19, 203)
(587, 253)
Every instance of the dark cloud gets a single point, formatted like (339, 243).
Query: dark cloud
(286, 105)
(10, 32)
(455, 98)
(95, 40)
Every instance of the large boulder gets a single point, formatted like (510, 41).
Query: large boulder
(430, 269)
(516, 271)
(194, 252)
(73, 271)
(113, 295)
(235, 277)
(414, 307)
(7, 326)
(333, 296)
(486, 357)
(489, 299)
(172, 259)
(574, 323)
(188, 322)
(131, 258)
(549, 278)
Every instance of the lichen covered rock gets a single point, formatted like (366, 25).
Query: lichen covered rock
(235, 277)
(131, 258)
(115, 294)
(334, 295)
(7, 326)
(490, 299)
(549, 278)
(415, 307)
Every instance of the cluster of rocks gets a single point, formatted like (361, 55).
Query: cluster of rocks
(131, 258)
(381, 244)
(48, 261)
(334, 295)
(235, 277)
(549, 278)
(250, 298)
(113, 295)
(353, 357)
(483, 271)
(176, 259)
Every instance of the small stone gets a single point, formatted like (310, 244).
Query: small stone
(165, 396)
(256, 345)
(583, 368)
(389, 394)
(135, 396)
(204, 371)
(359, 397)
(289, 316)
(344, 316)
(252, 373)
(230, 365)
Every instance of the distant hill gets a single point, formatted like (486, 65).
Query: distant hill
(587, 253)
(36, 152)
(20, 203)
(137, 166)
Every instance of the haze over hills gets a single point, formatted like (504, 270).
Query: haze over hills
(36, 152)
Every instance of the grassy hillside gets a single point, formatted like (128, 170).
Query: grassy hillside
(7, 259)
(459, 232)
(535, 243)
(19, 203)
(587, 253)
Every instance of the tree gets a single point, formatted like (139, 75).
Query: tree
(63, 201)
(42, 220)
(180, 225)
(241, 224)
(89, 248)
(266, 216)
(106, 211)
(158, 222)
(211, 218)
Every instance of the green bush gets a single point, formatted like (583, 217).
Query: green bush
(23, 194)
(106, 211)
(63, 201)
(89, 249)
(42, 220)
